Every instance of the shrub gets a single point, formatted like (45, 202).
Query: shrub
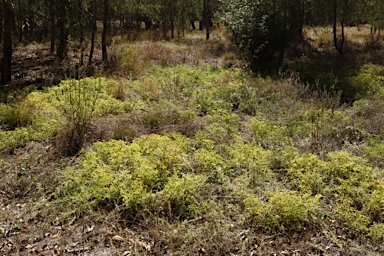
(307, 174)
(374, 204)
(17, 115)
(80, 98)
(268, 135)
(258, 31)
(376, 232)
(367, 83)
(356, 221)
(133, 176)
(285, 211)
(181, 196)
(221, 128)
(250, 162)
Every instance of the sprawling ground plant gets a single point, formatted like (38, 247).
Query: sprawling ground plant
(210, 159)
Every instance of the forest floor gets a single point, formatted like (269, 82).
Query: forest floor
(32, 220)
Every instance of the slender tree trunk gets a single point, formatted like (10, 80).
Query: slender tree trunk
(105, 31)
(301, 18)
(335, 40)
(62, 48)
(172, 28)
(20, 22)
(93, 32)
(53, 26)
(206, 18)
(6, 68)
(339, 44)
(193, 24)
(1, 25)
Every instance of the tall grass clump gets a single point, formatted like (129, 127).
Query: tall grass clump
(17, 115)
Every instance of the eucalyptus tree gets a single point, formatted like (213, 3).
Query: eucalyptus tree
(105, 30)
(8, 17)
(373, 13)
(175, 14)
(343, 13)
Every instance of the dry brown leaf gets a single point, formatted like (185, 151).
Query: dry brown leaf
(117, 238)
(90, 229)
(28, 246)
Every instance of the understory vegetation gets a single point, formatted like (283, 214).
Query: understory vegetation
(194, 159)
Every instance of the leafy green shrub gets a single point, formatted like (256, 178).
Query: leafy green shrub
(80, 98)
(181, 196)
(307, 174)
(356, 221)
(17, 115)
(323, 130)
(376, 232)
(133, 176)
(375, 152)
(250, 162)
(268, 135)
(342, 167)
(207, 103)
(221, 128)
(32, 119)
(374, 204)
(258, 31)
(285, 211)
(367, 83)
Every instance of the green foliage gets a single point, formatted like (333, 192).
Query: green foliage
(250, 162)
(307, 174)
(181, 196)
(17, 115)
(258, 30)
(268, 135)
(374, 204)
(137, 177)
(369, 82)
(376, 232)
(221, 128)
(80, 98)
(352, 218)
(285, 211)
(375, 152)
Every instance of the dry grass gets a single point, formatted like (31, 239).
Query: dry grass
(133, 59)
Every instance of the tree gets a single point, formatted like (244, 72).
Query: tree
(93, 12)
(261, 29)
(105, 30)
(8, 17)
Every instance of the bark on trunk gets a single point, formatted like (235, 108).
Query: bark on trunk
(105, 31)
(53, 26)
(6, 69)
(93, 32)
(62, 49)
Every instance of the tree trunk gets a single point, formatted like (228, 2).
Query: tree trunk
(206, 18)
(53, 27)
(94, 27)
(105, 31)
(335, 40)
(20, 22)
(6, 68)
(172, 28)
(62, 49)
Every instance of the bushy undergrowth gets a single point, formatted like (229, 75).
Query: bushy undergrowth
(195, 144)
